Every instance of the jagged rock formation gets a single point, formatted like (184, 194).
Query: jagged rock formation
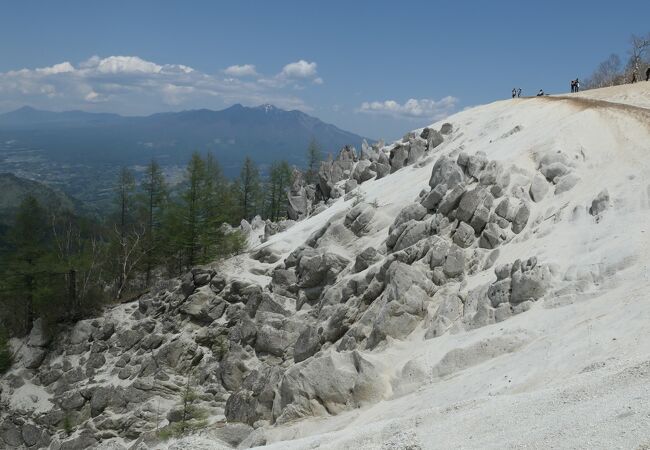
(424, 242)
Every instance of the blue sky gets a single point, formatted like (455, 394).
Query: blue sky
(352, 63)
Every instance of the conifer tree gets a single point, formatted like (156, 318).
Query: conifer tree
(154, 197)
(314, 158)
(249, 189)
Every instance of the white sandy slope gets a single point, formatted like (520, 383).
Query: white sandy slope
(575, 370)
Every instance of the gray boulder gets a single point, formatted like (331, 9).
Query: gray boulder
(359, 218)
(554, 170)
(413, 211)
(538, 188)
(431, 200)
(464, 235)
(446, 171)
(446, 128)
(365, 259)
(433, 137)
(600, 203)
(451, 200)
(530, 284)
(521, 219)
(566, 183)
(307, 345)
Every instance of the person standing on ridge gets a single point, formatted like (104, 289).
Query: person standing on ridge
(647, 74)
(540, 93)
(577, 85)
(519, 93)
(514, 92)
(573, 86)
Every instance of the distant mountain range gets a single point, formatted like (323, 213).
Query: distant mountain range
(265, 133)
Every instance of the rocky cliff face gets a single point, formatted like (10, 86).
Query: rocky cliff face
(411, 241)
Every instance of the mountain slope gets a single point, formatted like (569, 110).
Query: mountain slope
(489, 291)
(15, 189)
(265, 133)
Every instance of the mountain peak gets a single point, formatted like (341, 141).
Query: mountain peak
(267, 107)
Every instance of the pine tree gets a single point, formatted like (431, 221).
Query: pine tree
(279, 181)
(154, 197)
(314, 158)
(27, 263)
(249, 189)
(194, 218)
(127, 242)
(213, 205)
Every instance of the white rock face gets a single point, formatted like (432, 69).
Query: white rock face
(463, 285)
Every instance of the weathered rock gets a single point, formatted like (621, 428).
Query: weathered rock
(307, 344)
(464, 235)
(469, 202)
(480, 219)
(38, 337)
(81, 332)
(566, 183)
(34, 358)
(365, 259)
(434, 197)
(328, 385)
(319, 269)
(600, 203)
(413, 232)
(100, 400)
(449, 311)
(432, 137)
(233, 433)
(273, 341)
(451, 199)
(521, 219)
(538, 188)
(399, 156)
(446, 128)
(475, 164)
(358, 219)
(128, 338)
(499, 292)
(554, 170)
(446, 171)
(413, 211)
(33, 436)
(11, 435)
(454, 264)
(363, 171)
(530, 284)
(491, 236)
(72, 401)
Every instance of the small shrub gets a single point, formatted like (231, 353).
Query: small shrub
(67, 425)
(359, 197)
(233, 243)
(220, 346)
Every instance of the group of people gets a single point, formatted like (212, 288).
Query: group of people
(575, 85)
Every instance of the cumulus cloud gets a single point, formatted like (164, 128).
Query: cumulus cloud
(132, 85)
(245, 70)
(412, 108)
(299, 69)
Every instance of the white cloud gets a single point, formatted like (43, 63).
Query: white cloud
(412, 108)
(299, 69)
(64, 67)
(245, 70)
(132, 85)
